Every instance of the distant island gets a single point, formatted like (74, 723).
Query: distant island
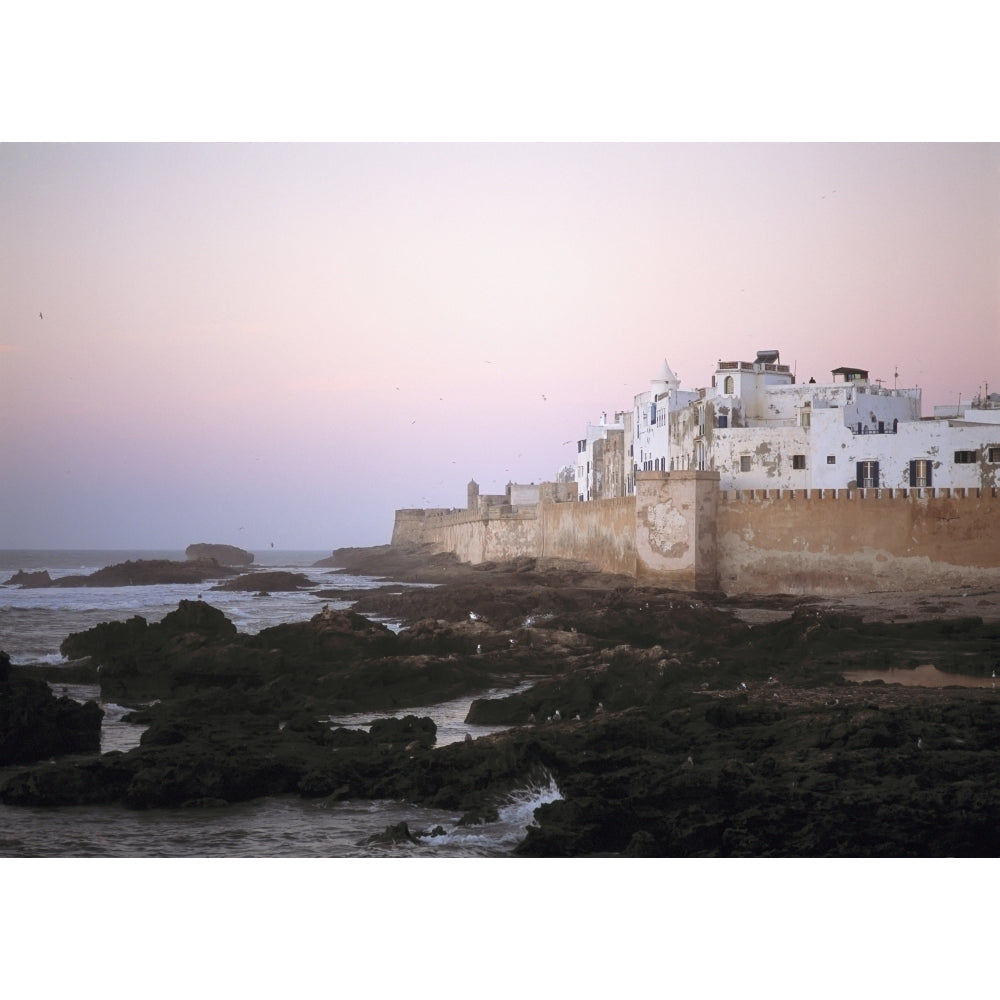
(224, 555)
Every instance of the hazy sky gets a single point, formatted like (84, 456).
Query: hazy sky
(283, 343)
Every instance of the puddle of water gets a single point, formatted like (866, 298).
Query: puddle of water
(926, 675)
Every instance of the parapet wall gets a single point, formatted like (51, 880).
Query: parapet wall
(682, 531)
(857, 541)
(497, 534)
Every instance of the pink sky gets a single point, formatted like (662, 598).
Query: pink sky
(279, 343)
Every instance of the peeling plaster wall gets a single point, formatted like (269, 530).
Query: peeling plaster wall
(832, 450)
(675, 532)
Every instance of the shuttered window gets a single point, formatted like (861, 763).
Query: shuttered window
(867, 475)
(920, 472)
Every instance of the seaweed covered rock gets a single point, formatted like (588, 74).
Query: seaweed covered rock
(410, 732)
(139, 661)
(35, 724)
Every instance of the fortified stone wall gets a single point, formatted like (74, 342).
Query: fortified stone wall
(857, 541)
(601, 533)
(497, 535)
(682, 531)
(675, 528)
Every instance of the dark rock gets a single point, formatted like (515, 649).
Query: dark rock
(404, 732)
(27, 580)
(144, 572)
(35, 725)
(224, 555)
(671, 727)
(100, 780)
(398, 833)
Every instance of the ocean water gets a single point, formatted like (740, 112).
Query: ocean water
(33, 623)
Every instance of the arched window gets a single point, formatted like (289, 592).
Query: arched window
(728, 385)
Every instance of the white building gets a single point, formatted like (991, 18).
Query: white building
(760, 429)
(603, 465)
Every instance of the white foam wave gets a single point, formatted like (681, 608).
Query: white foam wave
(515, 814)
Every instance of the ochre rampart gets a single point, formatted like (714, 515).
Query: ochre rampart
(857, 541)
(682, 531)
(600, 533)
(497, 535)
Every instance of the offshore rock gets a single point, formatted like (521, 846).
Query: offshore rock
(26, 580)
(224, 555)
(144, 572)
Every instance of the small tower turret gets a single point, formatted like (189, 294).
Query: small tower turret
(665, 381)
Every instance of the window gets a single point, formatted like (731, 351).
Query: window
(993, 453)
(722, 421)
(965, 457)
(831, 459)
(920, 472)
(798, 461)
(805, 418)
(744, 463)
(867, 475)
(727, 386)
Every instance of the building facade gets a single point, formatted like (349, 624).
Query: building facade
(760, 429)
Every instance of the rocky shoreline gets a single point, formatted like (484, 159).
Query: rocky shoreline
(674, 724)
